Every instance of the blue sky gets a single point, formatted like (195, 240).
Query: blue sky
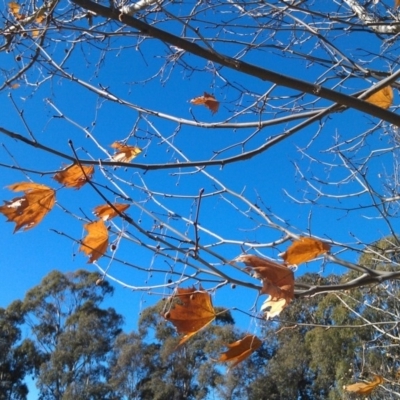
(59, 111)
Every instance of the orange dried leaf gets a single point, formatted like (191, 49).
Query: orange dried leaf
(383, 98)
(278, 282)
(240, 350)
(397, 3)
(96, 242)
(14, 8)
(303, 250)
(191, 313)
(14, 85)
(106, 212)
(29, 210)
(74, 176)
(365, 387)
(35, 33)
(208, 100)
(124, 153)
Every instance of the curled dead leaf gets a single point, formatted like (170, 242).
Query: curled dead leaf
(106, 212)
(191, 312)
(124, 153)
(303, 250)
(29, 210)
(273, 307)
(96, 242)
(278, 282)
(74, 175)
(365, 387)
(240, 350)
(208, 100)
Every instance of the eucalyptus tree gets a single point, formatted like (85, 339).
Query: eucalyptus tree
(73, 335)
(147, 364)
(18, 357)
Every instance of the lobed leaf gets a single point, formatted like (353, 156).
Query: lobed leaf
(74, 176)
(303, 250)
(278, 282)
(192, 312)
(29, 210)
(96, 242)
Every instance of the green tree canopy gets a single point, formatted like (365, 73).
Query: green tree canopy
(17, 358)
(73, 335)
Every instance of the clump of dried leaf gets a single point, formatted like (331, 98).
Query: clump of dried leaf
(208, 100)
(29, 210)
(240, 350)
(124, 153)
(74, 176)
(303, 250)
(96, 242)
(278, 283)
(14, 9)
(365, 387)
(106, 212)
(191, 311)
(382, 98)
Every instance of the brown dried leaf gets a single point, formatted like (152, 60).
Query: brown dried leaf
(29, 210)
(124, 153)
(397, 3)
(208, 100)
(278, 282)
(74, 176)
(303, 250)
(96, 242)
(383, 98)
(40, 16)
(365, 387)
(191, 313)
(240, 350)
(106, 212)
